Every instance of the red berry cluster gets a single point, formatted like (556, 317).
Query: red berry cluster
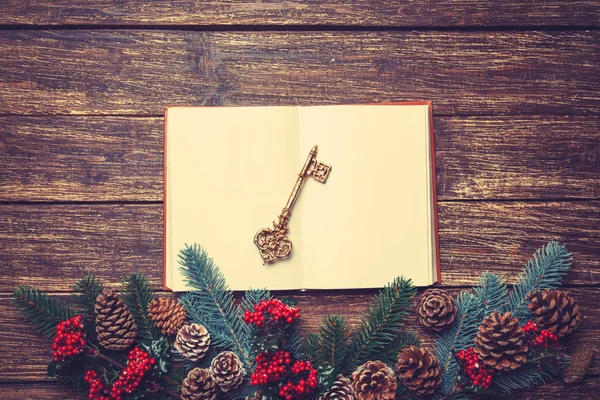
(97, 390)
(69, 338)
(304, 386)
(274, 309)
(542, 337)
(270, 368)
(475, 369)
(139, 362)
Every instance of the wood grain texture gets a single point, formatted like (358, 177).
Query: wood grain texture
(587, 390)
(50, 246)
(140, 72)
(121, 158)
(30, 363)
(401, 13)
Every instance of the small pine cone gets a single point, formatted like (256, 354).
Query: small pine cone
(255, 396)
(374, 381)
(579, 365)
(168, 315)
(199, 385)
(115, 325)
(500, 342)
(192, 341)
(418, 370)
(436, 309)
(554, 310)
(340, 390)
(227, 370)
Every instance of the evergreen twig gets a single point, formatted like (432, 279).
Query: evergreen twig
(42, 311)
(87, 288)
(545, 270)
(137, 294)
(492, 293)
(334, 338)
(210, 303)
(382, 323)
(459, 336)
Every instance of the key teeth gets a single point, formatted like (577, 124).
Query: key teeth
(321, 171)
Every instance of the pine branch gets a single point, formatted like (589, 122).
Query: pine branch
(334, 338)
(87, 288)
(310, 348)
(492, 293)
(389, 354)
(211, 303)
(545, 270)
(382, 323)
(40, 310)
(137, 294)
(458, 336)
(525, 377)
(293, 342)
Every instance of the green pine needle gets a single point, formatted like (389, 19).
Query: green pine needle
(87, 288)
(310, 347)
(42, 311)
(210, 303)
(525, 377)
(459, 336)
(382, 324)
(492, 293)
(137, 294)
(545, 270)
(334, 338)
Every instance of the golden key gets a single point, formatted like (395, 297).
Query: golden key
(273, 244)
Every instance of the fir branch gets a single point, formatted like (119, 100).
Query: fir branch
(87, 288)
(211, 303)
(525, 377)
(293, 342)
(389, 354)
(137, 294)
(458, 336)
(40, 310)
(545, 270)
(382, 323)
(310, 348)
(334, 338)
(492, 293)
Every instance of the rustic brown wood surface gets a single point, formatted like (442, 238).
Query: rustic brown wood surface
(403, 13)
(83, 85)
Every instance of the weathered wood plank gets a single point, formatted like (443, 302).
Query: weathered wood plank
(139, 72)
(121, 158)
(81, 159)
(30, 363)
(419, 13)
(52, 245)
(586, 390)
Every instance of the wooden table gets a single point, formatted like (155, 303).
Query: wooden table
(83, 85)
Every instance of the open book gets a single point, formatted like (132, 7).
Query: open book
(230, 170)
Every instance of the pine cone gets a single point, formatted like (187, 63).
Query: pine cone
(500, 342)
(199, 385)
(340, 390)
(554, 310)
(168, 315)
(436, 309)
(374, 381)
(255, 396)
(579, 365)
(192, 341)
(419, 370)
(115, 325)
(227, 370)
